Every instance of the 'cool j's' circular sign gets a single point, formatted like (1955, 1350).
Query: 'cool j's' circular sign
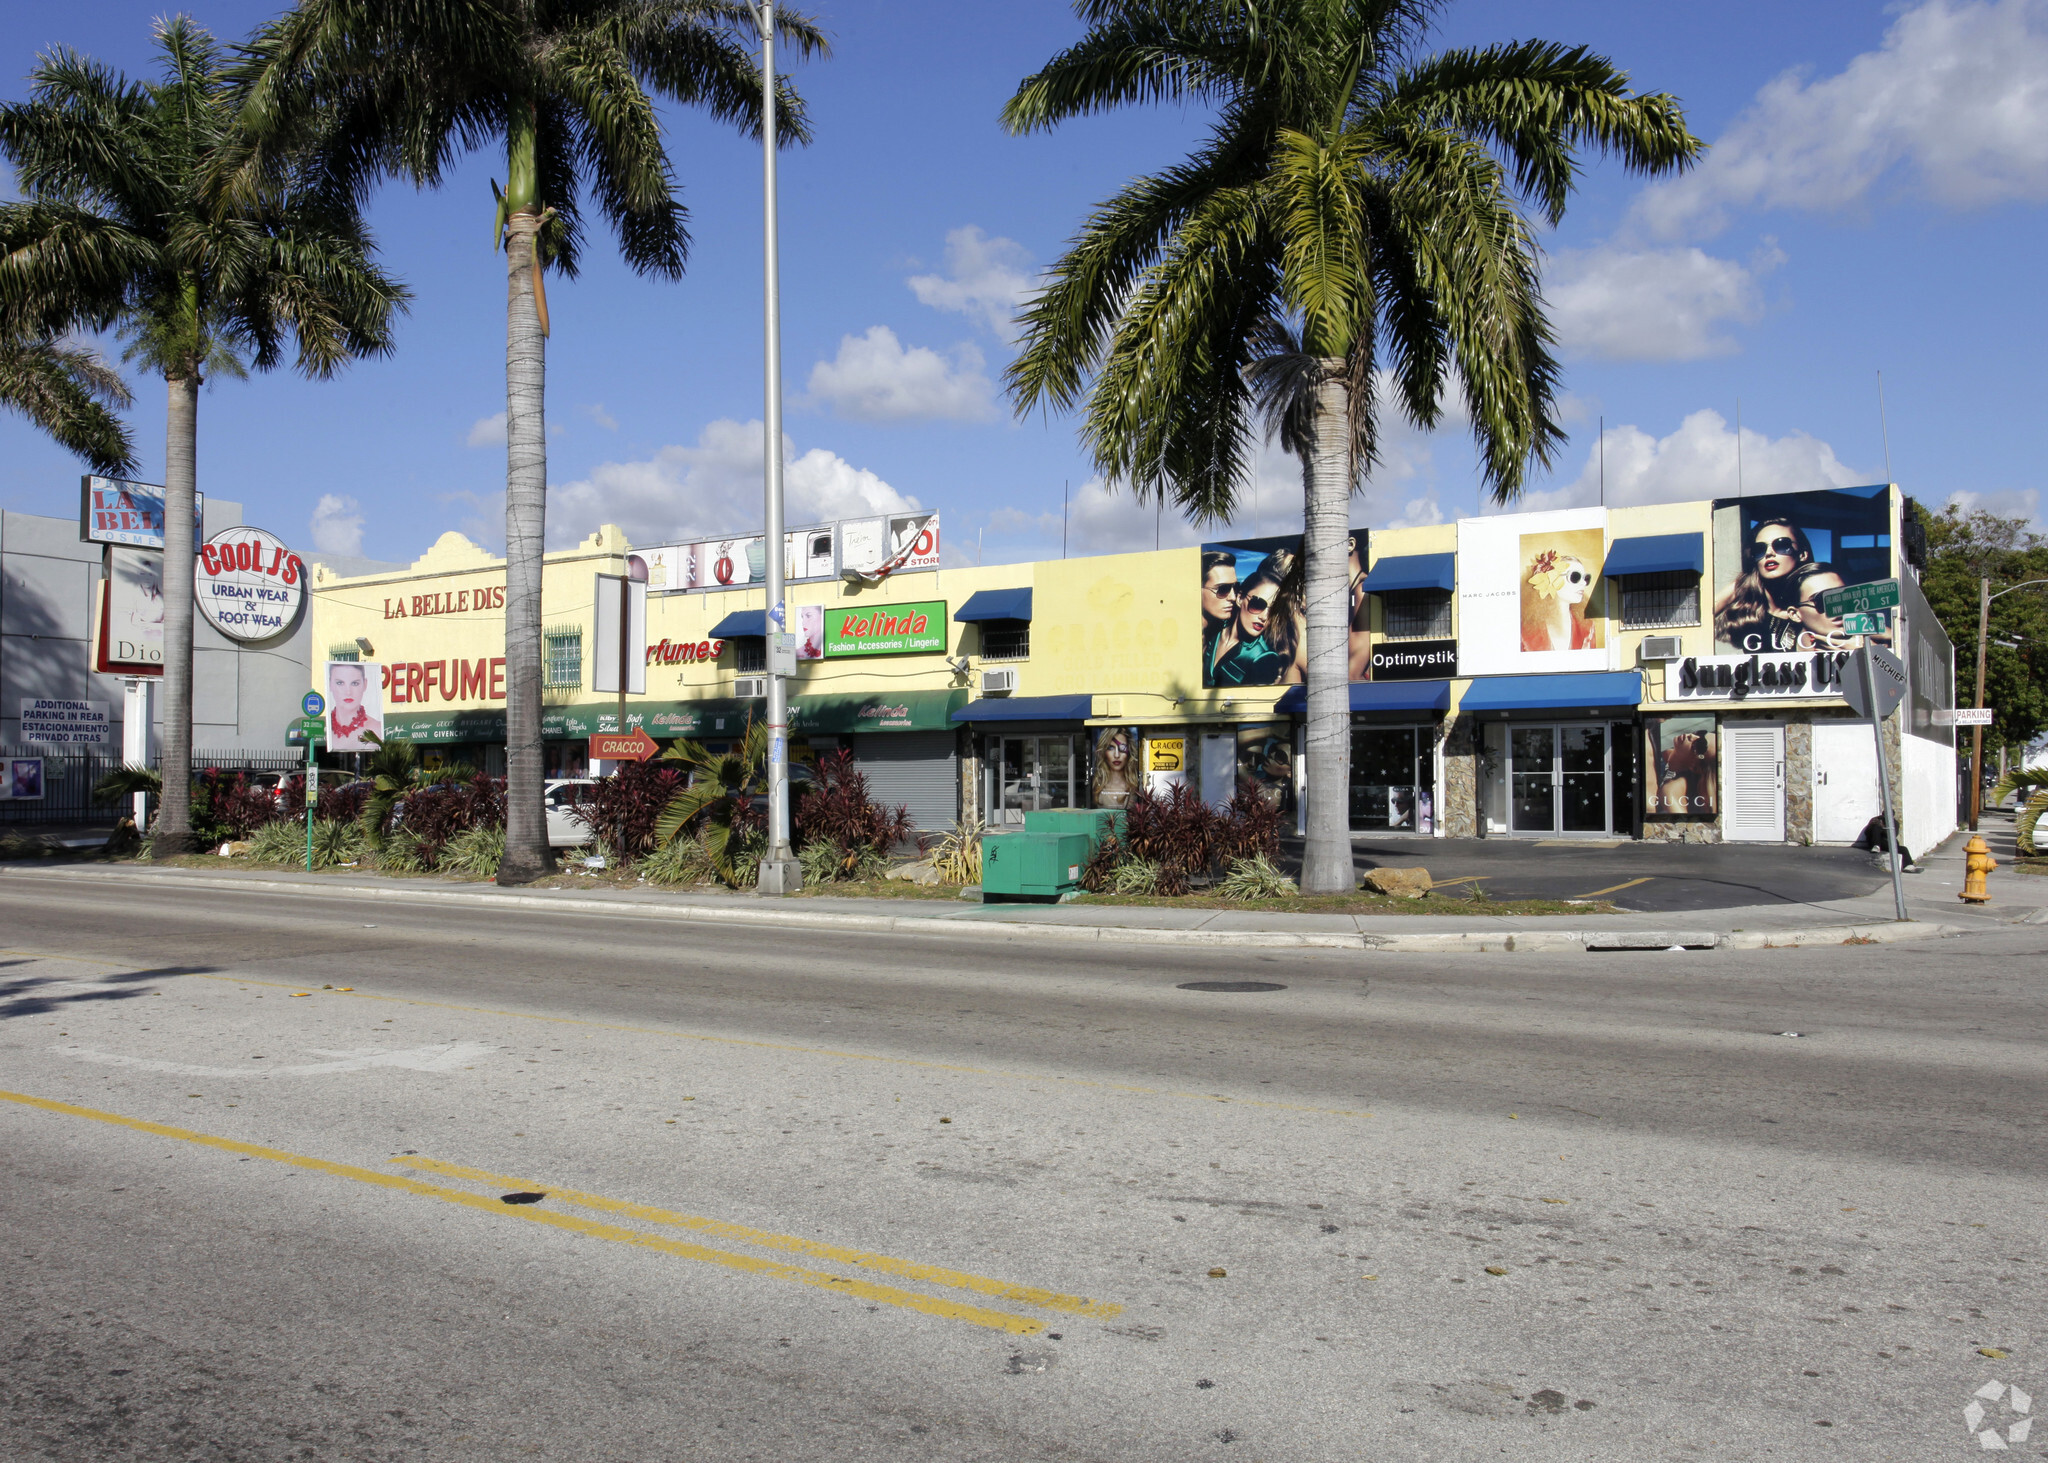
(248, 584)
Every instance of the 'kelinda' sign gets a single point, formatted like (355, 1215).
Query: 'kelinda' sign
(1738, 677)
(908, 629)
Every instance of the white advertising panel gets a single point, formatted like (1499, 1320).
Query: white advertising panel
(133, 633)
(355, 705)
(1530, 593)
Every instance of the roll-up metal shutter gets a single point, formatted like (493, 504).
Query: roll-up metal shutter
(920, 770)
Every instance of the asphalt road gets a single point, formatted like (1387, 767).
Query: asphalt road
(816, 1198)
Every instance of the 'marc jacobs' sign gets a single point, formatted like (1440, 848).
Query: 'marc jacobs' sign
(906, 629)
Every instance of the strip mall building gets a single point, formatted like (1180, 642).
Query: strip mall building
(1659, 672)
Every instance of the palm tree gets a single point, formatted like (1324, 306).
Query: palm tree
(720, 797)
(563, 86)
(139, 210)
(68, 391)
(1353, 224)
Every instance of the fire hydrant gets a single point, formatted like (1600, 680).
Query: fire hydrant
(1978, 863)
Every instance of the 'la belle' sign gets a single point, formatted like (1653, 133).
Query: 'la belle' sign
(1739, 677)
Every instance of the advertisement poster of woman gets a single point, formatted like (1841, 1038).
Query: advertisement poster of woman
(355, 705)
(1116, 766)
(1685, 765)
(1559, 571)
(1775, 556)
(1265, 763)
(1254, 626)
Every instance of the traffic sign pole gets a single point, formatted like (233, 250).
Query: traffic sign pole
(1875, 705)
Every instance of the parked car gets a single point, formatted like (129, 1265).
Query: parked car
(558, 796)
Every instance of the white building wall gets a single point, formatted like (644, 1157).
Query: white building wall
(1927, 786)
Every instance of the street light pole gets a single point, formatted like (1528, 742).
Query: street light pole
(1977, 732)
(1984, 598)
(777, 864)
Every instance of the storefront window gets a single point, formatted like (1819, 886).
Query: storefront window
(1558, 779)
(1392, 785)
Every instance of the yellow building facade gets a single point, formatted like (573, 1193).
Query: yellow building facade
(1563, 674)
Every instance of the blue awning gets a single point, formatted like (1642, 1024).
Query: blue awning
(1658, 553)
(995, 604)
(1027, 708)
(1539, 693)
(1413, 571)
(1377, 696)
(741, 623)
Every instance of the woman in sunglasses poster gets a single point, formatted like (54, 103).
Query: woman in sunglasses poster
(1776, 556)
(1559, 570)
(1254, 629)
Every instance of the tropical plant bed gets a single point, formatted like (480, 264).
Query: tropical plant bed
(1359, 903)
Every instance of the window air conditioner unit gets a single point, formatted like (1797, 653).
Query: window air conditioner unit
(998, 683)
(750, 688)
(1661, 647)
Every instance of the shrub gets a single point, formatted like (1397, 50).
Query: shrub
(336, 841)
(475, 851)
(621, 810)
(226, 805)
(1249, 827)
(837, 810)
(682, 860)
(957, 855)
(744, 852)
(341, 803)
(1098, 875)
(433, 816)
(1138, 876)
(1255, 878)
(401, 853)
(280, 842)
(823, 861)
(1176, 834)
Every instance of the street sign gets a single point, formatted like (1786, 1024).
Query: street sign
(1858, 623)
(1888, 671)
(307, 729)
(1851, 599)
(1965, 716)
(313, 704)
(611, 747)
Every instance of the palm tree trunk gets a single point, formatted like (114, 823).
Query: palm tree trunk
(527, 855)
(1326, 479)
(181, 471)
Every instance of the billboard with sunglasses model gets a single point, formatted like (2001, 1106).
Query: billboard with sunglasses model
(1774, 556)
(1531, 596)
(1253, 629)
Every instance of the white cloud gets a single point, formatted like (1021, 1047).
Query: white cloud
(337, 525)
(986, 279)
(2023, 503)
(875, 379)
(1627, 304)
(1956, 100)
(711, 488)
(1697, 461)
(596, 412)
(487, 431)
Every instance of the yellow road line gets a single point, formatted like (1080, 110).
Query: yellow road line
(747, 1264)
(1616, 888)
(772, 1046)
(908, 1269)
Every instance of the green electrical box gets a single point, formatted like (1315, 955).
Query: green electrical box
(1032, 865)
(1095, 823)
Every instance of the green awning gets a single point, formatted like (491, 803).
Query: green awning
(839, 715)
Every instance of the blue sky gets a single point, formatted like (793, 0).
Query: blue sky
(1874, 201)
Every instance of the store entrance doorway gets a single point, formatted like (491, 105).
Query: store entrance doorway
(1558, 779)
(1392, 778)
(1028, 773)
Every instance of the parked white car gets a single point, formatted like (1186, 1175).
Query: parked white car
(565, 829)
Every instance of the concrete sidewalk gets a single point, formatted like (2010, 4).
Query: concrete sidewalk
(1932, 907)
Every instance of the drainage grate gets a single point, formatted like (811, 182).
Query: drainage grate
(1229, 985)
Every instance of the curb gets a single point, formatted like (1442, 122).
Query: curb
(1542, 941)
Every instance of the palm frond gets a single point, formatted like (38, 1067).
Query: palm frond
(67, 391)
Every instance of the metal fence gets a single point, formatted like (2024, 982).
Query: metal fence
(59, 788)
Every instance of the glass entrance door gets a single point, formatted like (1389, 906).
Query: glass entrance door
(1392, 785)
(1029, 773)
(1558, 779)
